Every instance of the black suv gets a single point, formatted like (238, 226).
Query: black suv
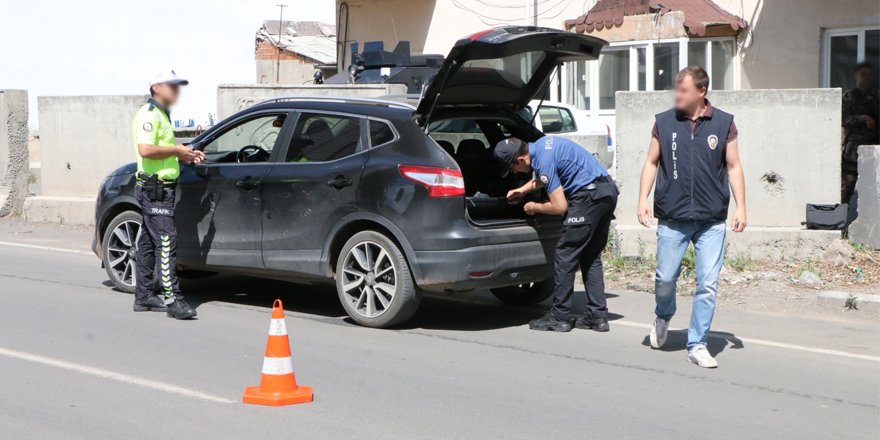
(373, 194)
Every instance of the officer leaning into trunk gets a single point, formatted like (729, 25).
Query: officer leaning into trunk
(580, 188)
(158, 165)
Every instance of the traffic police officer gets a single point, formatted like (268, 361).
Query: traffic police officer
(158, 165)
(580, 188)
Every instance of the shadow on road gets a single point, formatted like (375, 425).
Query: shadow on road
(718, 341)
(475, 311)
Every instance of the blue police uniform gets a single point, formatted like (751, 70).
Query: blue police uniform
(592, 197)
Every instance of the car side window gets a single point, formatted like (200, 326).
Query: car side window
(380, 133)
(567, 120)
(261, 131)
(556, 120)
(320, 137)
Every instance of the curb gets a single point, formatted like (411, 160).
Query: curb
(838, 298)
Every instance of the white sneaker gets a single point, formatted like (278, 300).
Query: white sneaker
(700, 356)
(658, 332)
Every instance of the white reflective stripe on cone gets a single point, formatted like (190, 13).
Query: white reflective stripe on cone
(277, 366)
(277, 327)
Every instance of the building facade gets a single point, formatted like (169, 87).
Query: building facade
(744, 44)
(291, 53)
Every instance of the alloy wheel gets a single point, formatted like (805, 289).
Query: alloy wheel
(369, 279)
(122, 251)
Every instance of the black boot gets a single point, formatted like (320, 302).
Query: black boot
(548, 322)
(179, 309)
(587, 322)
(152, 304)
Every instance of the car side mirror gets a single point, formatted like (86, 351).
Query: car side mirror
(205, 170)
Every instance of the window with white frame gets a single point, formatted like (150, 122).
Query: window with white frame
(647, 65)
(842, 49)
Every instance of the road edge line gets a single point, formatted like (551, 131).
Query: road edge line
(112, 375)
(45, 248)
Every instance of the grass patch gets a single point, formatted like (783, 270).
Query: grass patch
(689, 262)
(740, 263)
(852, 302)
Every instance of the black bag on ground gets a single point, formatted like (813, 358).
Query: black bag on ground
(828, 217)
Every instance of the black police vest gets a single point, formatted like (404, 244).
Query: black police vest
(692, 182)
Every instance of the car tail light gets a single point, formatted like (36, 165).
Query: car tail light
(441, 182)
(477, 35)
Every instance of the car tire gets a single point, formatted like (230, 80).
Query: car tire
(524, 294)
(119, 248)
(374, 282)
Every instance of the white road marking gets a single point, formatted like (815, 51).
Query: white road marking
(112, 375)
(45, 248)
(817, 350)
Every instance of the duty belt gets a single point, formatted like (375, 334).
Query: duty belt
(601, 179)
(144, 178)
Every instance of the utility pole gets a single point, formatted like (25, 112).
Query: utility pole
(278, 58)
(535, 12)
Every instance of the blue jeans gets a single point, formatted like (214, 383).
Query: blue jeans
(673, 238)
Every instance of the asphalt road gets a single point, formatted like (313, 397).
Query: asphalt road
(75, 362)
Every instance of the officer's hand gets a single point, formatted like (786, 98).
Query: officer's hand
(738, 223)
(870, 122)
(530, 208)
(644, 214)
(514, 196)
(187, 154)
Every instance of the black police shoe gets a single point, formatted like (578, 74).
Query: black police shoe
(179, 309)
(152, 304)
(587, 322)
(548, 322)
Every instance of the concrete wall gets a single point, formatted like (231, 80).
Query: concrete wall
(83, 138)
(789, 143)
(13, 150)
(866, 228)
(292, 71)
(782, 47)
(232, 98)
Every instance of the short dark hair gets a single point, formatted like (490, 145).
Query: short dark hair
(863, 65)
(152, 93)
(697, 74)
(523, 147)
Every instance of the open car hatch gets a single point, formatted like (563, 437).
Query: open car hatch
(502, 67)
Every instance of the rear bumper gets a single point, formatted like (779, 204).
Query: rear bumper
(484, 267)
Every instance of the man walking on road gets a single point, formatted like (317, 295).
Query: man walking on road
(580, 188)
(694, 158)
(158, 164)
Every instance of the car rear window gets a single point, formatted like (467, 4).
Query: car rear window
(324, 137)
(512, 71)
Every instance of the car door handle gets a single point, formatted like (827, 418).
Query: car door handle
(340, 182)
(247, 183)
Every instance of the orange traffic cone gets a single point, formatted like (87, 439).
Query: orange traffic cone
(278, 384)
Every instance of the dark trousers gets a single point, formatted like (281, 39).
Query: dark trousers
(157, 243)
(849, 170)
(584, 236)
